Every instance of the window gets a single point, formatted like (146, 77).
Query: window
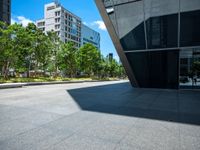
(69, 24)
(40, 24)
(190, 28)
(57, 26)
(158, 69)
(50, 8)
(189, 57)
(128, 20)
(57, 20)
(161, 23)
(58, 33)
(74, 29)
(74, 20)
(74, 38)
(57, 13)
(162, 31)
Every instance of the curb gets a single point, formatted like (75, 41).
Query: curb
(20, 85)
(12, 85)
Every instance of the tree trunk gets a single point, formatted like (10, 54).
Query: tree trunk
(6, 70)
(28, 69)
(35, 69)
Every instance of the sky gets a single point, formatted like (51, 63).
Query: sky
(25, 11)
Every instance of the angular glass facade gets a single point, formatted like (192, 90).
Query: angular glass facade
(152, 34)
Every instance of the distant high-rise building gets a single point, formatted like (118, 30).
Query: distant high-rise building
(89, 35)
(63, 22)
(110, 56)
(5, 10)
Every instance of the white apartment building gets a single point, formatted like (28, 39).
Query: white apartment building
(63, 22)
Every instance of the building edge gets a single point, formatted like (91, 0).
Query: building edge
(116, 43)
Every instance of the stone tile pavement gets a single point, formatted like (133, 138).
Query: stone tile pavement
(99, 115)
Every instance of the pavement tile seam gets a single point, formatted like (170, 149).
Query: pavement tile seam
(57, 143)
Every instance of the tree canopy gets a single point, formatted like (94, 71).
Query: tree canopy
(29, 51)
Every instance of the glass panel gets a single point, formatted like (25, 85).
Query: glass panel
(189, 5)
(161, 23)
(190, 68)
(109, 3)
(190, 28)
(162, 32)
(190, 23)
(158, 69)
(130, 25)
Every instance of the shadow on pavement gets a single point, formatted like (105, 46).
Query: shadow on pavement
(168, 105)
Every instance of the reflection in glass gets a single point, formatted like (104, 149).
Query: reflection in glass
(128, 21)
(190, 67)
(162, 32)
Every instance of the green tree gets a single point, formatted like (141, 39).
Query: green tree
(7, 48)
(23, 46)
(89, 59)
(54, 47)
(67, 57)
(196, 67)
(42, 51)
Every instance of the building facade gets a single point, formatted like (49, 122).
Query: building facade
(63, 22)
(5, 11)
(67, 25)
(89, 35)
(158, 41)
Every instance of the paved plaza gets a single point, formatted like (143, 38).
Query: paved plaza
(99, 116)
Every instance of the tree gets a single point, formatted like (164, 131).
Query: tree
(7, 48)
(89, 59)
(67, 57)
(54, 47)
(196, 67)
(42, 51)
(22, 47)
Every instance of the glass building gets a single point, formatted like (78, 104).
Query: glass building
(5, 10)
(89, 35)
(158, 41)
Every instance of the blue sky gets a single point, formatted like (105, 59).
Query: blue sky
(24, 11)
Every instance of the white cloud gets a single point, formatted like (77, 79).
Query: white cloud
(13, 21)
(21, 20)
(85, 23)
(100, 24)
(24, 21)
